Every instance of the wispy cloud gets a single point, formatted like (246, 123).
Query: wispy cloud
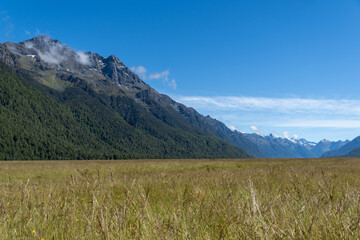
(282, 115)
(141, 71)
(231, 127)
(54, 52)
(172, 84)
(6, 20)
(343, 106)
(320, 123)
(256, 129)
(161, 75)
(286, 134)
(164, 76)
(83, 58)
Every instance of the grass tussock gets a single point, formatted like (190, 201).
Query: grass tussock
(181, 199)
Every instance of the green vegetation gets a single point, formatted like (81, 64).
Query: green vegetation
(37, 122)
(181, 199)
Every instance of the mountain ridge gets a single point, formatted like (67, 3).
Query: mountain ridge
(78, 123)
(278, 147)
(58, 67)
(345, 150)
(146, 110)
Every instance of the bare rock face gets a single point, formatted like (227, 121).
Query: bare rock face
(51, 57)
(119, 74)
(6, 56)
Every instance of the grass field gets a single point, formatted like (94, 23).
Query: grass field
(181, 199)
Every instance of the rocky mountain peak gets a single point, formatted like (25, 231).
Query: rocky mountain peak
(115, 59)
(52, 62)
(41, 42)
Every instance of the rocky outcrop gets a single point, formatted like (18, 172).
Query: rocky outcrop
(6, 56)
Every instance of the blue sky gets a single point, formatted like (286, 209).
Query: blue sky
(280, 66)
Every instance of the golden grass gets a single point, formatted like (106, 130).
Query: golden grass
(181, 199)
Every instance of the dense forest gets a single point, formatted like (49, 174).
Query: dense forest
(37, 122)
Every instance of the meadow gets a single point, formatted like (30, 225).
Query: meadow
(181, 199)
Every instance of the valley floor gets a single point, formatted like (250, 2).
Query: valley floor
(181, 199)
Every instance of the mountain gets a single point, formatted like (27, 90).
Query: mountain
(349, 149)
(114, 112)
(325, 146)
(57, 103)
(277, 147)
(354, 153)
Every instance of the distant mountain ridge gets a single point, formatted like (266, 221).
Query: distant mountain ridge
(277, 147)
(351, 148)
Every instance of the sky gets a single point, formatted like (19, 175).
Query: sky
(291, 68)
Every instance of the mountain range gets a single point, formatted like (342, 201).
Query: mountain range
(351, 149)
(277, 147)
(58, 103)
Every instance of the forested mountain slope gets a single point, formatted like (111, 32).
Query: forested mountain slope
(38, 122)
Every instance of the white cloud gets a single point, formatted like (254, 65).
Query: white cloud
(256, 130)
(162, 75)
(286, 135)
(52, 56)
(284, 105)
(53, 52)
(311, 118)
(231, 127)
(83, 58)
(172, 84)
(320, 123)
(28, 33)
(140, 70)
